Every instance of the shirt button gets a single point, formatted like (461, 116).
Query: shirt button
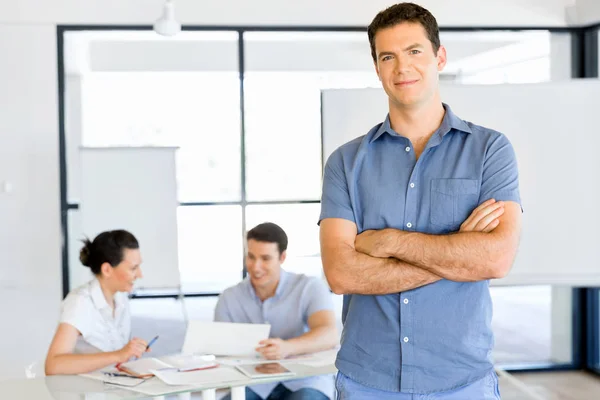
(407, 149)
(409, 225)
(405, 301)
(412, 185)
(405, 340)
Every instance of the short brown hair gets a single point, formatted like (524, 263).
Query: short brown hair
(270, 233)
(405, 12)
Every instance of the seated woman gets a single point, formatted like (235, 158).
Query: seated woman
(95, 323)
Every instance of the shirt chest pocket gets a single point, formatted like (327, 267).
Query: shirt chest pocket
(452, 201)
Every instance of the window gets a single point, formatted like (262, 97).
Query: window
(498, 57)
(285, 73)
(142, 91)
(199, 112)
(532, 325)
(210, 249)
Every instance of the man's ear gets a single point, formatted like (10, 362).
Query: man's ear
(441, 58)
(282, 257)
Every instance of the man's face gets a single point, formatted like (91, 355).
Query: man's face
(263, 263)
(406, 64)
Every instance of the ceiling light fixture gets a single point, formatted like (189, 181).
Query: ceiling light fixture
(167, 25)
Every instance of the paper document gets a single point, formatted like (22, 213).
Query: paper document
(199, 378)
(190, 362)
(235, 361)
(224, 338)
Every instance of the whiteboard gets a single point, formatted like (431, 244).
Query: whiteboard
(554, 130)
(134, 188)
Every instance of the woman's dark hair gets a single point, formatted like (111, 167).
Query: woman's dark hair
(405, 12)
(106, 247)
(270, 233)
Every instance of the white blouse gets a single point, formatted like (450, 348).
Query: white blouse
(86, 309)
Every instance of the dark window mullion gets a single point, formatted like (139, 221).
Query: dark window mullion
(241, 61)
(594, 330)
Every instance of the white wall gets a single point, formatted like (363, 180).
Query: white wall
(30, 278)
(586, 12)
(282, 12)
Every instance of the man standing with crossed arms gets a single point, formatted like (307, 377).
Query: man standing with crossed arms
(417, 216)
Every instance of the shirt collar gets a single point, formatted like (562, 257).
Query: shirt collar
(98, 296)
(283, 277)
(449, 122)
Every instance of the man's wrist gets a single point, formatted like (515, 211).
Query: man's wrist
(291, 347)
(391, 242)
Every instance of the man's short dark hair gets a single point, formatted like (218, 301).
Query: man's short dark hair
(270, 233)
(400, 13)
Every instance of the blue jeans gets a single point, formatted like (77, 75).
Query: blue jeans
(483, 389)
(282, 393)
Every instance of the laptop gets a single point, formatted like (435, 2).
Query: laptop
(224, 338)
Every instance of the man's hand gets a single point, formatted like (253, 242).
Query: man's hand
(275, 349)
(484, 218)
(372, 243)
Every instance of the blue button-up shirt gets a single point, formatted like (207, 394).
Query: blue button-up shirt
(437, 337)
(296, 298)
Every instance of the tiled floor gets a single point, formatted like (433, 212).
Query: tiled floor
(552, 386)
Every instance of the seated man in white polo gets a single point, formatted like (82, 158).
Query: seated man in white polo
(298, 308)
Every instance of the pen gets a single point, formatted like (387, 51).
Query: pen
(116, 374)
(151, 342)
(147, 347)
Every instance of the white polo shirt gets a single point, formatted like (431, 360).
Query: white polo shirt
(86, 309)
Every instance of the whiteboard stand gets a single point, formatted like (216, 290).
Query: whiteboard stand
(184, 312)
(135, 188)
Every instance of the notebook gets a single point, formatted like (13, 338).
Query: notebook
(143, 367)
(193, 362)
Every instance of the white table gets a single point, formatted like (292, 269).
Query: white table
(72, 387)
